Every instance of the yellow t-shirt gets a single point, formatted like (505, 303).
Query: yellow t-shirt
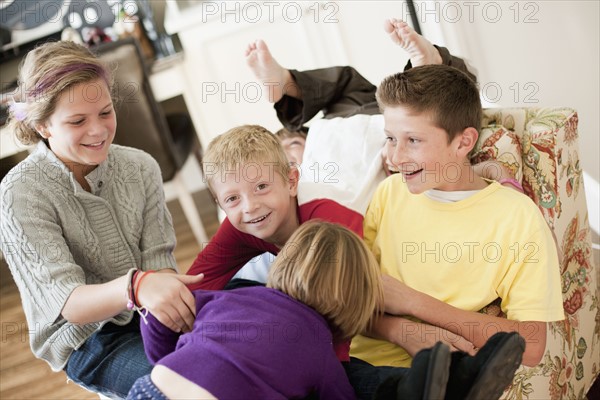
(492, 244)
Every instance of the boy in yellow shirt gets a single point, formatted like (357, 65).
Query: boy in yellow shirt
(450, 242)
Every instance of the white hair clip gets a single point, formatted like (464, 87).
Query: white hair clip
(19, 110)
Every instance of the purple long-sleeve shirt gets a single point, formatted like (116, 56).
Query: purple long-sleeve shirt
(252, 343)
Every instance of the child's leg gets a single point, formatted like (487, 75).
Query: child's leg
(300, 95)
(426, 379)
(419, 49)
(277, 80)
(489, 372)
(339, 91)
(483, 376)
(111, 360)
(281, 82)
(366, 378)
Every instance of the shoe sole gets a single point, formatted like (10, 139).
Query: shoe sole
(499, 370)
(437, 372)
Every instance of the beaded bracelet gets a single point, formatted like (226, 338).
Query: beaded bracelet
(512, 182)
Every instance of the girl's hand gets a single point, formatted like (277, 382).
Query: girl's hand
(167, 297)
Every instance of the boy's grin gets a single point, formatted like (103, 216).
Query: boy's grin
(263, 205)
(259, 219)
(421, 152)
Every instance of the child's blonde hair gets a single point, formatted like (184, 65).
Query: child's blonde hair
(329, 268)
(45, 73)
(241, 146)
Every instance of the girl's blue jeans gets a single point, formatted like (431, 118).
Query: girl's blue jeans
(110, 361)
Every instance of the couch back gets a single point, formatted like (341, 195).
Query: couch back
(541, 146)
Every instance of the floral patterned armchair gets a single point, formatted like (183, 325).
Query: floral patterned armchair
(540, 145)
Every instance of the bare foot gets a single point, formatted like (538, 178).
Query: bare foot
(420, 50)
(266, 69)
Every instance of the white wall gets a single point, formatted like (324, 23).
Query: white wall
(538, 53)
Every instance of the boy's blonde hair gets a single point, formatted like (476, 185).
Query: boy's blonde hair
(241, 146)
(447, 94)
(46, 73)
(330, 269)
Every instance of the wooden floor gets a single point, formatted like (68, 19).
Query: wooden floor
(22, 376)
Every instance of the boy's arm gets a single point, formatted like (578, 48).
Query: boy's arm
(227, 252)
(415, 336)
(473, 326)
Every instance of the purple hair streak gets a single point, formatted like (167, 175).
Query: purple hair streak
(55, 76)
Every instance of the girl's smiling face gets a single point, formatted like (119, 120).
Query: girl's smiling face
(82, 126)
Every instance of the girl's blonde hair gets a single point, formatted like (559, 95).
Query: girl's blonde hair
(241, 146)
(329, 268)
(44, 74)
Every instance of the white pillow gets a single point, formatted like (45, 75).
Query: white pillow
(342, 161)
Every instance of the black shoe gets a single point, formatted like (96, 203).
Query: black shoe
(426, 379)
(486, 375)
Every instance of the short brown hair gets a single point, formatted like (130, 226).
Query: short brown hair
(329, 268)
(447, 94)
(45, 73)
(240, 146)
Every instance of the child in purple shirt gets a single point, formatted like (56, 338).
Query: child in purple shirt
(275, 341)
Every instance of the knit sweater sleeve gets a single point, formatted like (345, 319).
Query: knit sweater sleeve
(158, 235)
(40, 259)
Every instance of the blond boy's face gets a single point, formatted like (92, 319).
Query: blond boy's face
(420, 151)
(258, 201)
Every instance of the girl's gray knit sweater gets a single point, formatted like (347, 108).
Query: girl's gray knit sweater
(56, 236)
